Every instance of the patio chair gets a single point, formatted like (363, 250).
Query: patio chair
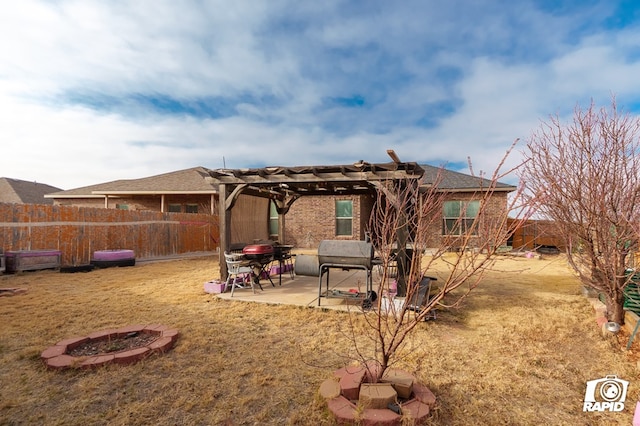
(238, 269)
(421, 298)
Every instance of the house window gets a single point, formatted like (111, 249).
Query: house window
(344, 217)
(459, 217)
(273, 220)
(122, 206)
(191, 208)
(174, 208)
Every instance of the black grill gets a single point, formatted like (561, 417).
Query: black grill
(346, 254)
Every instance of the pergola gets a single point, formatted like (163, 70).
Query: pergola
(284, 185)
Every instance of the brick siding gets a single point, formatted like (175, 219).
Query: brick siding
(312, 219)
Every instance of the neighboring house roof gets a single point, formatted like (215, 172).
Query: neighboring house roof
(24, 192)
(188, 181)
(197, 180)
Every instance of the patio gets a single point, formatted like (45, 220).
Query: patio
(303, 290)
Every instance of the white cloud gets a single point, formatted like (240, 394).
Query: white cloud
(438, 81)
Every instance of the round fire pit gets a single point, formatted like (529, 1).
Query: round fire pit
(124, 345)
(352, 397)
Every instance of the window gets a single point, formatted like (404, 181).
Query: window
(273, 219)
(191, 208)
(459, 217)
(122, 206)
(174, 208)
(344, 217)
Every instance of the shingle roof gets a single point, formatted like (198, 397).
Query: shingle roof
(195, 180)
(188, 180)
(456, 181)
(24, 192)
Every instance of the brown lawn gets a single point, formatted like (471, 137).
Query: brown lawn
(519, 352)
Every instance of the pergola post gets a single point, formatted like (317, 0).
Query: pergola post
(224, 219)
(402, 259)
(281, 227)
(403, 232)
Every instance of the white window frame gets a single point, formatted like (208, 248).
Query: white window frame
(273, 219)
(343, 220)
(463, 222)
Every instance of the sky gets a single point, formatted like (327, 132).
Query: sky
(94, 91)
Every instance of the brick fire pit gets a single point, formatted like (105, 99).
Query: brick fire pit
(59, 356)
(351, 397)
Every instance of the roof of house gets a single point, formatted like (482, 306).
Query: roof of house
(458, 182)
(24, 192)
(188, 181)
(198, 180)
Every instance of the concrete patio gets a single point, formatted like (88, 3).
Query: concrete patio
(303, 290)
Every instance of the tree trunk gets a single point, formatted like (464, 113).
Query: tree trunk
(615, 307)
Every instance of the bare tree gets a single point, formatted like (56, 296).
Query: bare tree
(586, 178)
(407, 211)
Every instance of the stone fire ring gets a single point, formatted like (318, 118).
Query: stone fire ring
(342, 390)
(56, 357)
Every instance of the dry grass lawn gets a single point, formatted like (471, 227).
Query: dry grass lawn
(518, 353)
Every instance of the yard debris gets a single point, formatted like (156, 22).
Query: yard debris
(12, 291)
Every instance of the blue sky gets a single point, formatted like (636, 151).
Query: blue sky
(94, 91)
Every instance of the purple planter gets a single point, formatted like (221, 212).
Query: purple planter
(32, 260)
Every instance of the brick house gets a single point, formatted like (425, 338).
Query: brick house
(183, 191)
(309, 220)
(313, 219)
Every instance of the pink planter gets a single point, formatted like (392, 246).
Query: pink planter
(119, 254)
(215, 286)
(108, 258)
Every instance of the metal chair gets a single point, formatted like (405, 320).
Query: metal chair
(237, 267)
(421, 297)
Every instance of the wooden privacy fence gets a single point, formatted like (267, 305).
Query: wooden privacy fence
(535, 233)
(79, 231)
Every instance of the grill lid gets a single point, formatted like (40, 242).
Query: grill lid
(258, 251)
(339, 252)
